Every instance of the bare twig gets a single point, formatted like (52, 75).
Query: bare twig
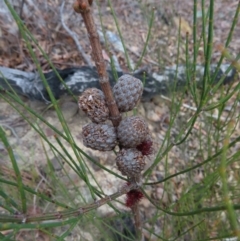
(23, 218)
(137, 220)
(12, 130)
(74, 36)
(21, 9)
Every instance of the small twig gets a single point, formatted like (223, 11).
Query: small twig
(137, 220)
(12, 130)
(36, 189)
(192, 108)
(75, 37)
(21, 9)
(83, 7)
(76, 212)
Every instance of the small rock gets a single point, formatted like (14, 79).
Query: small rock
(162, 195)
(69, 109)
(57, 165)
(152, 116)
(148, 106)
(37, 105)
(8, 132)
(140, 110)
(157, 100)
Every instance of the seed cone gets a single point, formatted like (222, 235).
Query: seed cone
(132, 131)
(130, 162)
(92, 102)
(127, 92)
(100, 137)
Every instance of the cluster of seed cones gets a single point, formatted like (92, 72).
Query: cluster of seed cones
(132, 134)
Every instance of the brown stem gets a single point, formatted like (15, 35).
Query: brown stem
(83, 7)
(137, 220)
(23, 218)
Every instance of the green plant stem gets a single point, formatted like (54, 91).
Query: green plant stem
(16, 170)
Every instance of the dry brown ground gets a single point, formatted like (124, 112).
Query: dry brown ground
(43, 20)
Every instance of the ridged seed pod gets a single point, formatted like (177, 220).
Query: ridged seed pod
(127, 92)
(100, 137)
(132, 131)
(92, 102)
(130, 162)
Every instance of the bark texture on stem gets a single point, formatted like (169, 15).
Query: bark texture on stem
(137, 220)
(83, 7)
